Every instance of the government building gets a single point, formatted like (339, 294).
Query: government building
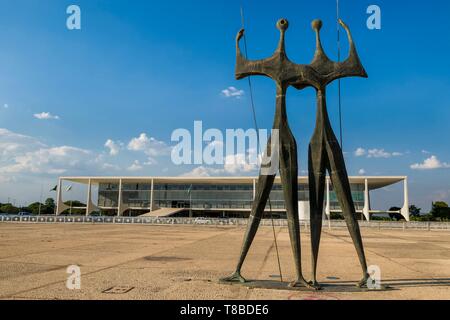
(218, 197)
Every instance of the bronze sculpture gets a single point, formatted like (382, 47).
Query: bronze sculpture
(324, 149)
(325, 154)
(284, 73)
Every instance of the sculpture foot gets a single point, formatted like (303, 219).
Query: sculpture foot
(363, 282)
(235, 277)
(301, 283)
(314, 284)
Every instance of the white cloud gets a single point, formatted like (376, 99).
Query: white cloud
(26, 163)
(45, 116)
(232, 92)
(136, 166)
(6, 106)
(430, 164)
(56, 160)
(376, 153)
(150, 162)
(238, 163)
(234, 164)
(198, 172)
(426, 152)
(361, 172)
(113, 147)
(109, 166)
(24, 156)
(150, 146)
(203, 172)
(12, 143)
(360, 152)
(7, 179)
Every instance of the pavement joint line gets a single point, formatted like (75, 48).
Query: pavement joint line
(107, 268)
(53, 249)
(409, 283)
(35, 263)
(266, 258)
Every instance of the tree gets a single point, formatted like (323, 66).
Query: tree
(75, 204)
(50, 206)
(396, 215)
(414, 211)
(336, 216)
(34, 207)
(9, 208)
(50, 202)
(46, 208)
(440, 210)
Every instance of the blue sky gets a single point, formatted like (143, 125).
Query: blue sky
(137, 70)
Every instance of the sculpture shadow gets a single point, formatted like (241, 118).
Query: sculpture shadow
(325, 286)
(346, 286)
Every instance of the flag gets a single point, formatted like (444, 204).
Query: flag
(54, 188)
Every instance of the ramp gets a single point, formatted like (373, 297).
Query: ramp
(163, 212)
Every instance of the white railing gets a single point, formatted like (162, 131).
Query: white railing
(333, 224)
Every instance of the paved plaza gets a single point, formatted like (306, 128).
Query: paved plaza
(185, 262)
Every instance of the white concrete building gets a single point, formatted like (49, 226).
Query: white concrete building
(212, 196)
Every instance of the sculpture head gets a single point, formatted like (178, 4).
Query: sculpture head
(282, 24)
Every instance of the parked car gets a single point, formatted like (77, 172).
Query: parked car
(23, 213)
(201, 220)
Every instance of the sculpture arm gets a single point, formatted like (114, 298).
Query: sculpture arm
(245, 67)
(352, 66)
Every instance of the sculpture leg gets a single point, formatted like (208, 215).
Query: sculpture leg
(264, 186)
(317, 174)
(341, 185)
(289, 180)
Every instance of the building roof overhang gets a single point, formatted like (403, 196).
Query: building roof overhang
(375, 182)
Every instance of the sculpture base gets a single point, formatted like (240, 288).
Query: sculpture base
(326, 287)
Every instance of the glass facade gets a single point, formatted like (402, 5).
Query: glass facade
(357, 195)
(205, 196)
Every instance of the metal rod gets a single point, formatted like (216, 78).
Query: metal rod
(339, 80)
(259, 144)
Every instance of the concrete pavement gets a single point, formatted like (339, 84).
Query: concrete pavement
(185, 262)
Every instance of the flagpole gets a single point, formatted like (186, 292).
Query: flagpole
(190, 201)
(40, 201)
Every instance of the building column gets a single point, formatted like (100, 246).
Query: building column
(151, 196)
(366, 212)
(405, 209)
(119, 201)
(88, 201)
(90, 206)
(254, 189)
(327, 205)
(60, 206)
